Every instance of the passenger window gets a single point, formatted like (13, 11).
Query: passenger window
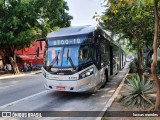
(85, 54)
(102, 49)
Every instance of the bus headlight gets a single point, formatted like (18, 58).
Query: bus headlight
(86, 73)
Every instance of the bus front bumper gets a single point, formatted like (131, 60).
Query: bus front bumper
(83, 85)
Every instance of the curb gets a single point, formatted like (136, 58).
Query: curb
(110, 101)
(20, 75)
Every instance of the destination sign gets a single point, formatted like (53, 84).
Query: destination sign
(65, 42)
(68, 41)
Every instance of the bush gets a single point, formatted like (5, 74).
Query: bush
(137, 92)
(133, 66)
(148, 63)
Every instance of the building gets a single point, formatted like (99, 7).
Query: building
(29, 54)
(26, 55)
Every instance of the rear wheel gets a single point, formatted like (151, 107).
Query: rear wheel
(106, 79)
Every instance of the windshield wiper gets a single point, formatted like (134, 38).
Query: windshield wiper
(54, 60)
(70, 60)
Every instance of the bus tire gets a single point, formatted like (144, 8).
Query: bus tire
(106, 77)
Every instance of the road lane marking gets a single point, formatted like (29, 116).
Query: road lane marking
(21, 75)
(12, 76)
(6, 86)
(18, 83)
(23, 99)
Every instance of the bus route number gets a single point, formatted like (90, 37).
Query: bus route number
(66, 42)
(72, 78)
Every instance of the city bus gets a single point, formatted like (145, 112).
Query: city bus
(80, 59)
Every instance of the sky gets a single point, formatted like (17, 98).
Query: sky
(84, 10)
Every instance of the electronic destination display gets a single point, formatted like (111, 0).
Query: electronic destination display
(69, 41)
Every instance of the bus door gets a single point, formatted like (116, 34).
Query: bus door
(102, 61)
(111, 60)
(97, 62)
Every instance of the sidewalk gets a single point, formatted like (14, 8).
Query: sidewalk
(119, 81)
(11, 75)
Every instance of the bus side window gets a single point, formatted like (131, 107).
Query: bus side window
(102, 48)
(98, 55)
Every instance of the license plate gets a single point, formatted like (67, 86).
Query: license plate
(60, 88)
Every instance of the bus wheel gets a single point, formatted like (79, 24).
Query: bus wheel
(106, 77)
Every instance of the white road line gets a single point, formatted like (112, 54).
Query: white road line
(6, 86)
(21, 75)
(12, 76)
(19, 82)
(23, 99)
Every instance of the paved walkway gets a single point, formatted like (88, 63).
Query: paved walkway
(119, 81)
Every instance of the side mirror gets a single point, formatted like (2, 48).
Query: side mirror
(37, 52)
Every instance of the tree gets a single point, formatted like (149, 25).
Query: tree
(20, 22)
(17, 27)
(52, 15)
(155, 55)
(135, 20)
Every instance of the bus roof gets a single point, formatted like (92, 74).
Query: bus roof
(68, 31)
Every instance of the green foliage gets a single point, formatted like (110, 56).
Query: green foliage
(137, 92)
(52, 15)
(22, 20)
(18, 21)
(133, 66)
(134, 19)
(148, 63)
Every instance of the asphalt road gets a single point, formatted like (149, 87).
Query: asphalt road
(38, 99)
(13, 89)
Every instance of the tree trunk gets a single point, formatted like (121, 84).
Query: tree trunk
(139, 66)
(155, 55)
(14, 64)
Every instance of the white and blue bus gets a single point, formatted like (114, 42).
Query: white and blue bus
(80, 59)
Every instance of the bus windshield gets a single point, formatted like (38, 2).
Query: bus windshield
(68, 56)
